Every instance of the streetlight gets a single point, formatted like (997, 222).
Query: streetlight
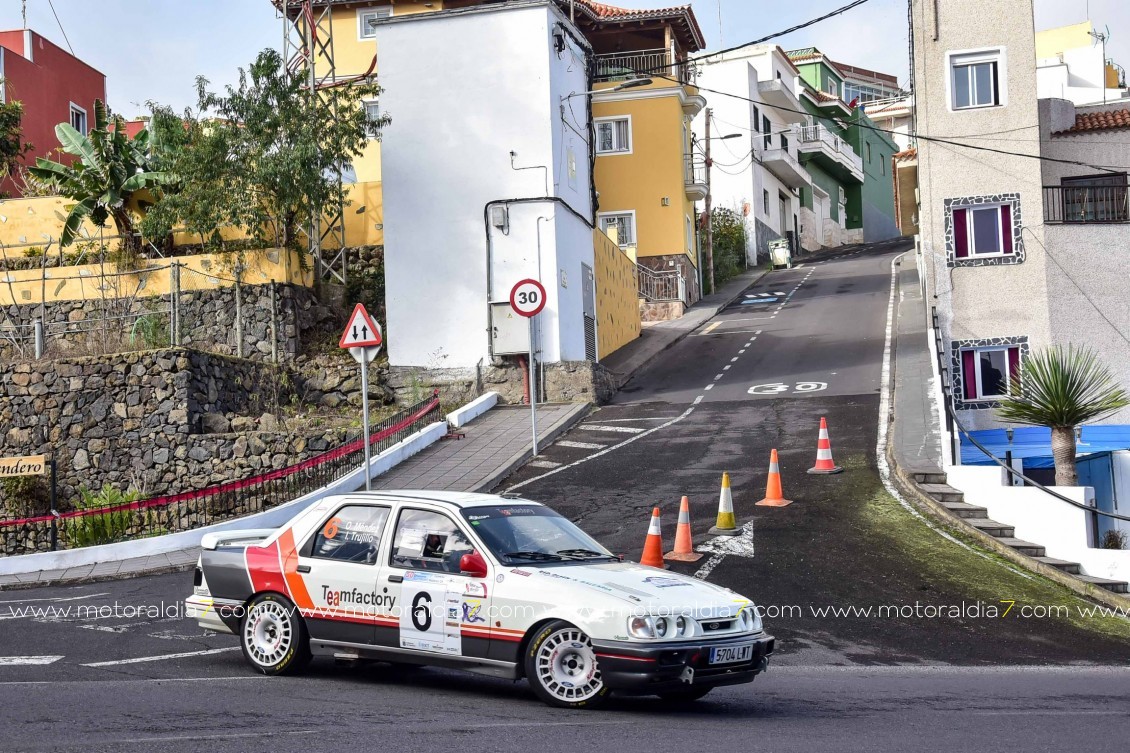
(709, 219)
(630, 84)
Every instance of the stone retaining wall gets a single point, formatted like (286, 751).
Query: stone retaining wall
(161, 421)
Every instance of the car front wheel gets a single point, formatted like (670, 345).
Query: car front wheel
(273, 636)
(561, 667)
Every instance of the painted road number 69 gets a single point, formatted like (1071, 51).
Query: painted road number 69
(731, 654)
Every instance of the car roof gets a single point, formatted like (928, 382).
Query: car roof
(455, 499)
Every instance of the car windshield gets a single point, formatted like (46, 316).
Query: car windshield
(526, 534)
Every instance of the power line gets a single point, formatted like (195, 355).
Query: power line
(51, 4)
(789, 30)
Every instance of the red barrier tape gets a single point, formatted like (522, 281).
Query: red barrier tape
(231, 486)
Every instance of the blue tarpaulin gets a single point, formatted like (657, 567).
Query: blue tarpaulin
(1034, 444)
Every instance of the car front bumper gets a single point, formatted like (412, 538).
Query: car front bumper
(660, 667)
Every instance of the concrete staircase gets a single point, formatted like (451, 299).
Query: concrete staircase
(934, 484)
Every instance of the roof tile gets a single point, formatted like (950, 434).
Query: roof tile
(1099, 121)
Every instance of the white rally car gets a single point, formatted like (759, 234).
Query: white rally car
(494, 585)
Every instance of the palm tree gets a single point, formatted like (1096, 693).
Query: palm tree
(1061, 389)
(109, 169)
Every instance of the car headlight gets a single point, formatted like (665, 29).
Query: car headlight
(662, 627)
(751, 620)
(682, 626)
(641, 627)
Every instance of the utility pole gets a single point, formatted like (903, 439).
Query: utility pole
(709, 219)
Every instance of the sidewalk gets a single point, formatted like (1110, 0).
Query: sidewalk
(495, 444)
(626, 362)
(916, 440)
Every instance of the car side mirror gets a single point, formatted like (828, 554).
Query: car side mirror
(473, 564)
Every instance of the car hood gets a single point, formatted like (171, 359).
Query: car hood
(627, 585)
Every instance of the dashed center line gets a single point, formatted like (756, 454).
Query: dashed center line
(727, 367)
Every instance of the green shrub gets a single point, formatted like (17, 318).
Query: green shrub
(1113, 539)
(104, 528)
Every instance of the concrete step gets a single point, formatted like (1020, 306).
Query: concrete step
(992, 527)
(1115, 586)
(928, 475)
(1024, 547)
(1067, 567)
(943, 492)
(966, 510)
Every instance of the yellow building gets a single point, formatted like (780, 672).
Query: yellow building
(648, 176)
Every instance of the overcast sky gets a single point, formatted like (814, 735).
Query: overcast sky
(154, 49)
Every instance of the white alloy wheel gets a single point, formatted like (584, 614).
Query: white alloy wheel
(566, 667)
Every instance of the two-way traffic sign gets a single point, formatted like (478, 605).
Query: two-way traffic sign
(361, 331)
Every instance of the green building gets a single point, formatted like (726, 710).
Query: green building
(852, 195)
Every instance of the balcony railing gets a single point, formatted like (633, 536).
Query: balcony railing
(1086, 204)
(668, 285)
(833, 144)
(623, 66)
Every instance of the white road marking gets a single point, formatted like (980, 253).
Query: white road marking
(742, 350)
(15, 661)
(734, 359)
(117, 628)
(625, 420)
(719, 546)
(601, 427)
(709, 386)
(544, 464)
(72, 598)
(125, 681)
(711, 327)
(162, 657)
(607, 450)
(727, 367)
(719, 377)
(698, 399)
(578, 445)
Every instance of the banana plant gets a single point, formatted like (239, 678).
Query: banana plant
(110, 167)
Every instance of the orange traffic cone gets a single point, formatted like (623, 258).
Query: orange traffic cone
(774, 497)
(824, 462)
(653, 546)
(684, 546)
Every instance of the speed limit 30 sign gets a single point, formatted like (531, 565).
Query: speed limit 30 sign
(527, 298)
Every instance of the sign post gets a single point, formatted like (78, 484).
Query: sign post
(36, 465)
(527, 298)
(362, 338)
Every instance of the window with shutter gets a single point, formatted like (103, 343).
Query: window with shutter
(614, 136)
(983, 230)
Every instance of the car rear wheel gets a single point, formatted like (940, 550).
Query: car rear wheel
(562, 669)
(273, 636)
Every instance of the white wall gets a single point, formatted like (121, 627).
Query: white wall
(1062, 529)
(464, 89)
(1079, 76)
(734, 186)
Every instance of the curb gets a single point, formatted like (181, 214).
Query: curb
(904, 480)
(519, 459)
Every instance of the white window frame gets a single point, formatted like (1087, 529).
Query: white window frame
(75, 109)
(969, 235)
(613, 152)
(977, 371)
(365, 32)
(366, 104)
(629, 213)
(996, 55)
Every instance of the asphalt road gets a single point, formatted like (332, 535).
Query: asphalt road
(123, 680)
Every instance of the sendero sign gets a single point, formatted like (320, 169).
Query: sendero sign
(32, 465)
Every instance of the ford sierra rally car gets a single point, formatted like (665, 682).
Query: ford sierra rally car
(494, 585)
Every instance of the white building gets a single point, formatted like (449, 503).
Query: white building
(485, 183)
(1071, 63)
(759, 174)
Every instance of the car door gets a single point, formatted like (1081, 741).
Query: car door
(340, 565)
(442, 611)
